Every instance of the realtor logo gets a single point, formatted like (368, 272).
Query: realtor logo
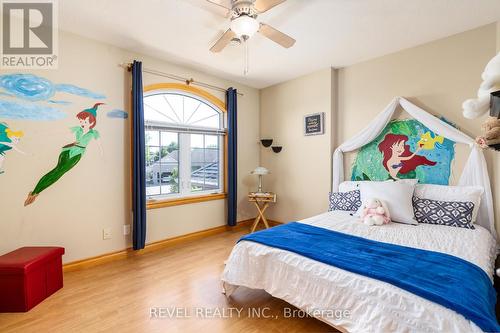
(29, 34)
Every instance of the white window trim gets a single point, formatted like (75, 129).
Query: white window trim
(185, 149)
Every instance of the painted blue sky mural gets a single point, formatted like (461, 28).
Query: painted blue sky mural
(28, 111)
(117, 113)
(30, 97)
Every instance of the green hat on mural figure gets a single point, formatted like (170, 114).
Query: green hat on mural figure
(93, 110)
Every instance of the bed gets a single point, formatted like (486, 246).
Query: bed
(361, 303)
(373, 306)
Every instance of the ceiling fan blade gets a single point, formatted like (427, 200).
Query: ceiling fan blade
(264, 5)
(276, 36)
(222, 3)
(223, 41)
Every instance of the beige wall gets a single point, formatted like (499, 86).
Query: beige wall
(301, 172)
(96, 193)
(437, 76)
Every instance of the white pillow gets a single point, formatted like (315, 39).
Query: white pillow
(451, 193)
(351, 185)
(397, 195)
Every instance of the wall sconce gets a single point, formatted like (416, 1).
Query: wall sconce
(268, 142)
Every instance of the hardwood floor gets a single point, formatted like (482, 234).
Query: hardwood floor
(118, 297)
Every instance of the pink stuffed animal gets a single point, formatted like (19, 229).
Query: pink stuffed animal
(375, 212)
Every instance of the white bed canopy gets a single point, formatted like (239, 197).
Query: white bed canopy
(475, 172)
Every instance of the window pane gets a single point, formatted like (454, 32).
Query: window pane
(152, 138)
(174, 108)
(169, 162)
(211, 148)
(204, 162)
(169, 179)
(197, 141)
(175, 103)
(205, 116)
(170, 146)
(152, 155)
(191, 105)
(152, 171)
(157, 109)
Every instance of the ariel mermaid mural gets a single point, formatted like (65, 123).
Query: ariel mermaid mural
(406, 149)
(71, 153)
(399, 161)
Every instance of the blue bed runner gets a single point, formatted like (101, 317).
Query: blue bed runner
(441, 278)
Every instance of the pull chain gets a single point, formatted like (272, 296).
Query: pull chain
(247, 61)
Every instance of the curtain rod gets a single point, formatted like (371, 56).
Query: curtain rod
(187, 81)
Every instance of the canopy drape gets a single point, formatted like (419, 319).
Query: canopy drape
(475, 172)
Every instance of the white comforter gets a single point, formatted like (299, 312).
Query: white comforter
(373, 305)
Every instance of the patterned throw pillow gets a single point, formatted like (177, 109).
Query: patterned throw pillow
(348, 201)
(450, 213)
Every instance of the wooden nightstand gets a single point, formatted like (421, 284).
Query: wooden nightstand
(261, 201)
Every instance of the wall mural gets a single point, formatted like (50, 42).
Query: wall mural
(31, 97)
(71, 153)
(116, 113)
(8, 141)
(406, 149)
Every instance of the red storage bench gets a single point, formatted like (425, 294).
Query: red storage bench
(29, 275)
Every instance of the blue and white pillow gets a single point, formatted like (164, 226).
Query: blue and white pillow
(450, 213)
(348, 201)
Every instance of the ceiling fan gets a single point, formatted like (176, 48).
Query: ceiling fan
(244, 24)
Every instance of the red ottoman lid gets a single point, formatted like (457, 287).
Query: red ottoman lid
(25, 259)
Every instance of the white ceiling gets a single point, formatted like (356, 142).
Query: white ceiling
(328, 32)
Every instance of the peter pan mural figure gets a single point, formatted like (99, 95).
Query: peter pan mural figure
(71, 153)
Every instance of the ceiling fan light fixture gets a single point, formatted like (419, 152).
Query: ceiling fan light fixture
(245, 25)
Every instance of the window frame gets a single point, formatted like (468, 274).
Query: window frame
(219, 105)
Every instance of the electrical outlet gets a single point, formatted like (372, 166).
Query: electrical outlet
(126, 229)
(106, 233)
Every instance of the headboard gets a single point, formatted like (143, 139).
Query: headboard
(405, 149)
(475, 171)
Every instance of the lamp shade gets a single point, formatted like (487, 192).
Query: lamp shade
(260, 171)
(244, 25)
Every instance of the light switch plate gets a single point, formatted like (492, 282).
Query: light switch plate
(106, 233)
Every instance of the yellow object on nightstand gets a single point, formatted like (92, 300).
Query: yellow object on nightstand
(261, 201)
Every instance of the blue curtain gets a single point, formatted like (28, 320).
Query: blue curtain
(139, 159)
(232, 156)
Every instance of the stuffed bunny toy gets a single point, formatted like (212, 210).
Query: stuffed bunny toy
(375, 212)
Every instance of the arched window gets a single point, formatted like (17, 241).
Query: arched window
(184, 141)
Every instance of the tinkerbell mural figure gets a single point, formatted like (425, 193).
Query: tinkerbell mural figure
(71, 153)
(8, 141)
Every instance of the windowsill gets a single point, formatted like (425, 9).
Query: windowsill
(153, 204)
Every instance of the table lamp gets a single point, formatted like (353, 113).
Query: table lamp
(260, 171)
